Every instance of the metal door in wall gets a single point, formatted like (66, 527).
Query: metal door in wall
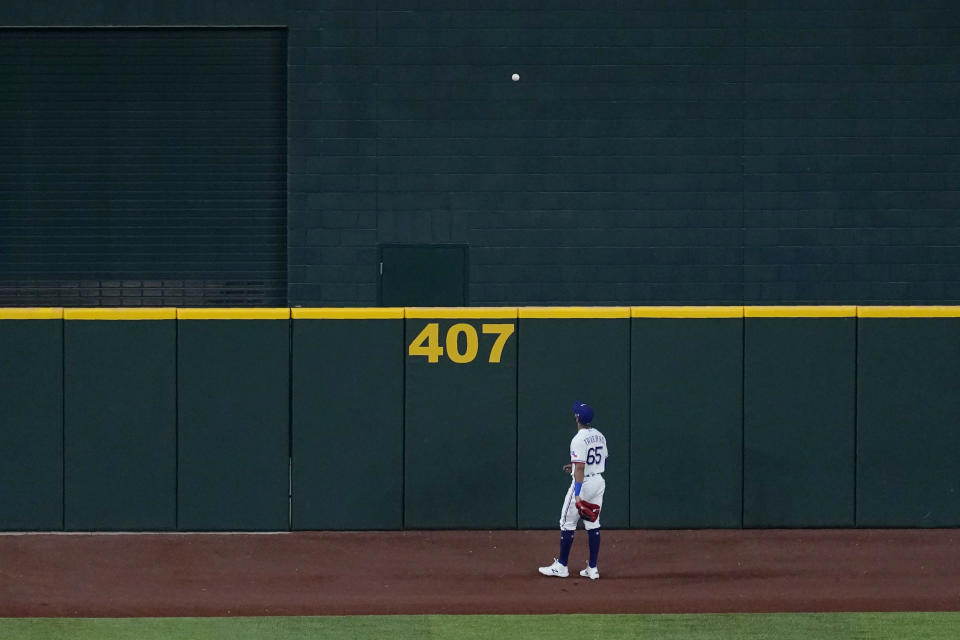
(423, 276)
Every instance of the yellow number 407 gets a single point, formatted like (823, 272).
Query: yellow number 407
(427, 342)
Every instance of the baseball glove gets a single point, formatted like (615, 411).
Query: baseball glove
(588, 510)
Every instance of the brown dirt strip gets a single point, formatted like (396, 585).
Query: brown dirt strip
(324, 573)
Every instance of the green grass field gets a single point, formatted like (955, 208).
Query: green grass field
(780, 626)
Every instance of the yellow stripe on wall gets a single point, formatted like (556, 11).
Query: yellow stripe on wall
(233, 314)
(348, 313)
(686, 312)
(909, 312)
(444, 313)
(359, 313)
(31, 313)
(811, 311)
(574, 312)
(126, 313)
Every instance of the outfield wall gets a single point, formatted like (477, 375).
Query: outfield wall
(377, 418)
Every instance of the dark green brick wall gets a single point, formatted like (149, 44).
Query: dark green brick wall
(850, 175)
(759, 152)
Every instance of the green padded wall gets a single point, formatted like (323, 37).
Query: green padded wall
(563, 360)
(348, 421)
(799, 423)
(186, 424)
(686, 422)
(31, 437)
(460, 444)
(120, 424)
(908, 422)
(233, 409)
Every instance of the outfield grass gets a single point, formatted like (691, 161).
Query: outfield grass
(780, 626)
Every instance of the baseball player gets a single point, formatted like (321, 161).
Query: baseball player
(588, 460)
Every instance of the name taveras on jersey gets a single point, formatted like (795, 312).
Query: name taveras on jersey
(594, 439)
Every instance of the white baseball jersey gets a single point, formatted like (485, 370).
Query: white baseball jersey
(590, 447)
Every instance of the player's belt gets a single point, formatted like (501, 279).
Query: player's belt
(590, 475)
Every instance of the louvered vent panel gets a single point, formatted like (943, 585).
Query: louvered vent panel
(142, 167)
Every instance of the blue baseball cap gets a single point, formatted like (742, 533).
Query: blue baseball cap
(583, 412)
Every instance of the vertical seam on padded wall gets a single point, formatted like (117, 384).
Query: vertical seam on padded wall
(63, 424)
(629, 448)
(743, 414)
(176, 423)
(403, 425)
(290, 424)
(516, 429)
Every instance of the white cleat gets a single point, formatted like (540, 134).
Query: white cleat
(591, 572)
(556, 569)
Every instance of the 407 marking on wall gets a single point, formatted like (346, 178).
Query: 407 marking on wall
(427, 342)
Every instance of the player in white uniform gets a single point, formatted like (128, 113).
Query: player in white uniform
(588, 460)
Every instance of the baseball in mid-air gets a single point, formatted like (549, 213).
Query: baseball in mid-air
(515, 77)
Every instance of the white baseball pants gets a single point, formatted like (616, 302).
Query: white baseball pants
(591, 491)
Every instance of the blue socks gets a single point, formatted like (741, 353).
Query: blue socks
(593, 535)
(566, 541)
